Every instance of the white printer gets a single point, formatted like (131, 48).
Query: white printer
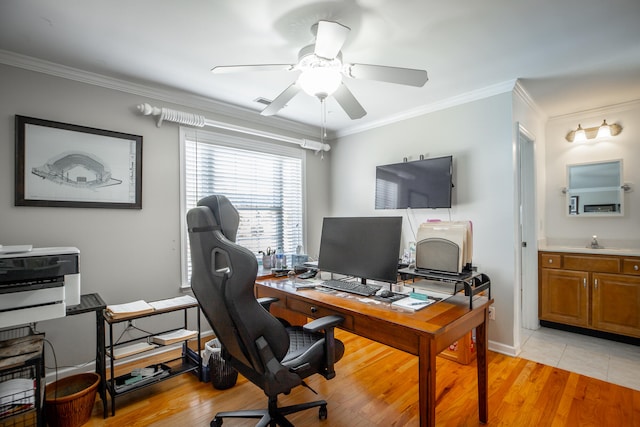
(37, 284)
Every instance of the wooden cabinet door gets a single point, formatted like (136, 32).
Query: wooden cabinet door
(564, 297)
(616, 304)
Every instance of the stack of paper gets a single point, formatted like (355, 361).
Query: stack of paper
(411, 303)
(173, 302)
(129, 309)
(15, 249)
(16, 395)
(174, 337)
(129, 350)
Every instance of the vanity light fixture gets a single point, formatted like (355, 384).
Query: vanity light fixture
(605, 130)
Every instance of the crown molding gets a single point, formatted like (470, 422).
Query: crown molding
(522, 93)
(171, 96)
(231, 112)
(608, 109)
(464, 98)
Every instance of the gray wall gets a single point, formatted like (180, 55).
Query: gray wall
(479, 135)
(125, 255)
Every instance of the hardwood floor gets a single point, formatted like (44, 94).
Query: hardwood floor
(377, 386)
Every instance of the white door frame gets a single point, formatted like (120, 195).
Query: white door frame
(527, 237)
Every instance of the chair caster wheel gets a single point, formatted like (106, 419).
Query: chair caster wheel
(217, 422)
(322, 412)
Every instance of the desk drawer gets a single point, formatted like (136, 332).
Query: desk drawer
(315, 311)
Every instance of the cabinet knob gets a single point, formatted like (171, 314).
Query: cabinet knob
(314, 309)
(636, 268)
(550, 261)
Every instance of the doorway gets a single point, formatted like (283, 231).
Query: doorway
(527, 231)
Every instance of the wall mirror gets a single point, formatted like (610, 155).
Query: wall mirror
(595, 189)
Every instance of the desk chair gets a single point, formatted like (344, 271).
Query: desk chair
(273, 357)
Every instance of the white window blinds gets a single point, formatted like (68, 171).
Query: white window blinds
(263, 181)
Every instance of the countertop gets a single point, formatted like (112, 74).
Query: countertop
(585, 250)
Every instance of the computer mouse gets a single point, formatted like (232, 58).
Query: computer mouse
(386, 294)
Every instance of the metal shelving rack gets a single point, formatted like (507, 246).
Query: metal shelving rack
(22, 357)
(173, 366)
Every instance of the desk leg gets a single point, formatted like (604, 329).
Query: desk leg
(483, 369)
(427, 382)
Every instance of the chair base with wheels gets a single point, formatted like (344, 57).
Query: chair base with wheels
(274, 415)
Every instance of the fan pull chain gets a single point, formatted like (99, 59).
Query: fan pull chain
(323, 123)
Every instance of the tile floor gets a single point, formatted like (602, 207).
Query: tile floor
(610, 361)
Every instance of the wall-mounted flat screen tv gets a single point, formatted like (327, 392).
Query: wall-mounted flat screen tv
(419, 184)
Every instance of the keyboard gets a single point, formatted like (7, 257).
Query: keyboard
(351, 287)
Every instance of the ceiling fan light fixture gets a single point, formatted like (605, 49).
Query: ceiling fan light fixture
(320, 81)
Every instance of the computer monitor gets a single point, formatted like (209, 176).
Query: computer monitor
(364, 247)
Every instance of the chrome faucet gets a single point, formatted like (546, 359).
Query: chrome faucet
(594, 243)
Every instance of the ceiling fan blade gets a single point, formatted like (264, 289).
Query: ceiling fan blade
(402, 76)
(281, 100)
(330, 37)
(348, 102)
(224, 69)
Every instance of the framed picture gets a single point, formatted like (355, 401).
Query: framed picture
(63, 165)
(573, 205)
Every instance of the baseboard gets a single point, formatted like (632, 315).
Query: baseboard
(503, 349)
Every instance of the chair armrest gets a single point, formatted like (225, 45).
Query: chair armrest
(327, 323)
(266, 302)
(323, 323)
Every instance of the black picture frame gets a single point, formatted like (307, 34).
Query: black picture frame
(65, 165)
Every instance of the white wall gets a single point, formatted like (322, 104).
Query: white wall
(479, 135)
(124, 254)
(611, 231)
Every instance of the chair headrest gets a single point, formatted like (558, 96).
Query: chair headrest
(224, 213)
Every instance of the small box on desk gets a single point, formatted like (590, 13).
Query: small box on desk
(298, 259)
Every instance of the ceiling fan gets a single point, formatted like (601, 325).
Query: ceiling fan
(322, 70)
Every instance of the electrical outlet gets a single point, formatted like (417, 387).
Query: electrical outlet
(492, 313)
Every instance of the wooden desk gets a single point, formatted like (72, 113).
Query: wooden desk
(423, 333)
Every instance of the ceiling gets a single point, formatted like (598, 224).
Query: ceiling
(570, 55)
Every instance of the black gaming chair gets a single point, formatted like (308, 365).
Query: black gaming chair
(273, 357)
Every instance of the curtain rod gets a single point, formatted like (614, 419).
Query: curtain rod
(191, 119)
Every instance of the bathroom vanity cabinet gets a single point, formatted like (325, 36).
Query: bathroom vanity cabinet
(594, 291)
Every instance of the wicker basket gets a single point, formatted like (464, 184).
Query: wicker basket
(69, 401)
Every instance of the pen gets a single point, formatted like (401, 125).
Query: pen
(419, 303)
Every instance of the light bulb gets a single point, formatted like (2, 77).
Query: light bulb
(320, 81)
(580, 135)
(604, 131)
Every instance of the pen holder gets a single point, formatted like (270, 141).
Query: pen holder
(267, 262)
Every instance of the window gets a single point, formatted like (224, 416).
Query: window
(264, 181)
